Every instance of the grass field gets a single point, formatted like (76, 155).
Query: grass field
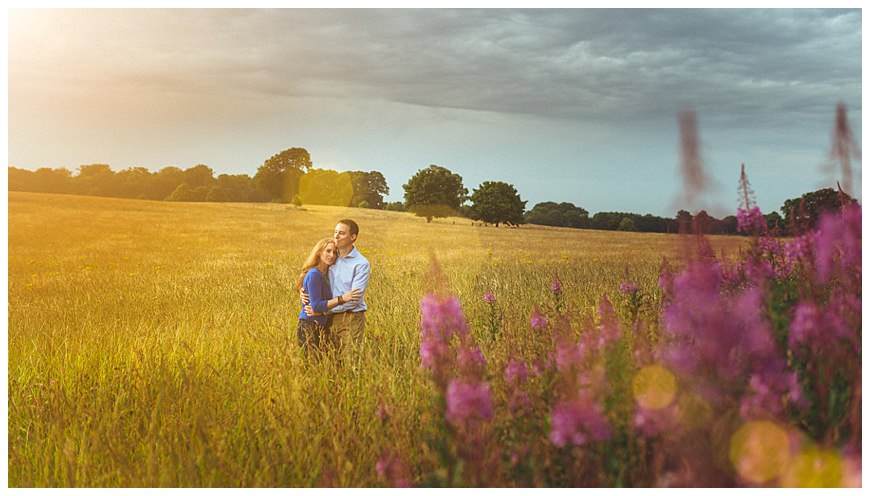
(153, 344)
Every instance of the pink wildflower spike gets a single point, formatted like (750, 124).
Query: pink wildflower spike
(516, 372)
(466, 401)
(442, 317)
(556, 285)
(471, 359)
(537, 320)
(627, 288)
(751, 221)
(577, 423)
(489, 297)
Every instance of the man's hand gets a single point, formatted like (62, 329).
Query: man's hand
(305, 298)
(309, 312)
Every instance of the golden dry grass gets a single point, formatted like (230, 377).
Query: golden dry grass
(153, 344)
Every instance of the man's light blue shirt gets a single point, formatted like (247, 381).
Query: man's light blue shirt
(351, 271)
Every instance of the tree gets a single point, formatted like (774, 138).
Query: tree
(626, 224)
(216, 194)
(775, 223)
(804, 212)
(134, 182)
(496, 202)
(198, 176)
(182, 193)
(434, 192)
(326, 187)
(238, 188)
(278, 177)
(563, 214)
(165, 182)
(368, 187)
(51, 180)
(95, 180)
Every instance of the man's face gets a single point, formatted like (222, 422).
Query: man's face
(343, 239)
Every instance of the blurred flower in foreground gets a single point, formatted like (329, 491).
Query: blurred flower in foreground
(760, 451)
(537, 320)
(466, 401)
(577, 423)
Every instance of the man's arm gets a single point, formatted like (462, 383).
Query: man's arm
(360, 281)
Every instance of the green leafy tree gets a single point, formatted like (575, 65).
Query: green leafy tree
(368, 187)
(804, 212)
(134, 182)
(198, 176)
(239, 188)
(626, 224)
(51, 180)
(326, 187)
(434, 192)
(216, 194)
(165, 182)
(278, 177)
(95, 180)
(182, 193)
(563, 214)
(495, 202)
(396, 206)
(775, 222)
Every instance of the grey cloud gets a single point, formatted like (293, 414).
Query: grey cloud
(590, 64)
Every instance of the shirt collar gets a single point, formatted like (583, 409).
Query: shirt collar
(352, 253)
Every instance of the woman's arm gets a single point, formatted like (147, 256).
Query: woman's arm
(313, 287)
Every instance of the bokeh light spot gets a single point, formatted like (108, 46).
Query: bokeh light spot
(814, 467)
(760, 451)
(654, 387)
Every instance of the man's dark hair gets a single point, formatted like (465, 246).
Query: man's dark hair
(354, 228)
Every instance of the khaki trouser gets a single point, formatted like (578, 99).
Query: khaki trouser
(347, 328)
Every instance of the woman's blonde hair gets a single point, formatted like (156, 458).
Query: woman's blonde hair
(313, 260)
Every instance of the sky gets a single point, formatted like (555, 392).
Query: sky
(576, 105)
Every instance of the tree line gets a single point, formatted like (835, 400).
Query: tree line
(435, 191)
(287, 177)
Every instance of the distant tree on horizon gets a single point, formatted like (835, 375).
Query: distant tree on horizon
(804, 212)
(434, 192)
(495, 202)
(564, 214)
(278, 177)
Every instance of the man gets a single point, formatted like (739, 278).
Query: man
(350, 271)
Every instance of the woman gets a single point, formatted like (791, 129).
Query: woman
(312, 331)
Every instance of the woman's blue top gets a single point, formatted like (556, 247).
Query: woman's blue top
(317, 288)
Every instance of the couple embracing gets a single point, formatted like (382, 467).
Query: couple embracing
(332, 285)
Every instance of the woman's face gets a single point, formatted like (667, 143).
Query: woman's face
(327, 256)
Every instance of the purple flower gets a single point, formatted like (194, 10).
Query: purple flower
(381, 467)
(471, 359)
(516, 372)
(568, 354)
(716, 338)
(442, 317)
(489, 297)
(750, 220)
(627, 288)
(556, 285)
(578, 423)
(838, 240)
(537, 320)
(433, 354)
(520, 402)
(467, 401)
